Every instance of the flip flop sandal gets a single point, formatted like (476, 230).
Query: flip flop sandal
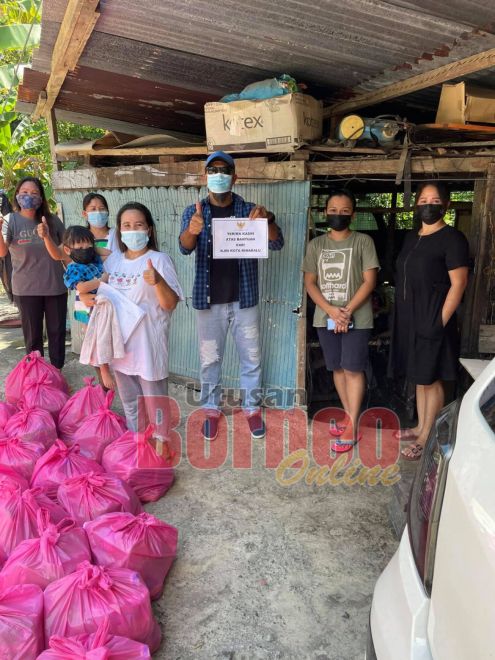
(342, 446)
(336, 429)
(416, 452)
(405, 434)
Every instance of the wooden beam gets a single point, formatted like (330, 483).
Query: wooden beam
(458, 206)
(442, 74)
(51, 124)
(486, 339)
(172, 174)
(426, 165)
(66, 151)
(344, 150)
(480, 238)
(77, 25)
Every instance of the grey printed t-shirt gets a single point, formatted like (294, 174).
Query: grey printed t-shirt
(339, 267)
(34, 272)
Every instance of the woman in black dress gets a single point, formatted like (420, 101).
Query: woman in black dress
(432, 274)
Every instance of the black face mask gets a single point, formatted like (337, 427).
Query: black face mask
(429, 213)
(338, 222)
(83, 255)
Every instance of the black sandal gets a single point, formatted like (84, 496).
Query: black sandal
(416, 452)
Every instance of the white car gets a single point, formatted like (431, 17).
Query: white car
(436, 598)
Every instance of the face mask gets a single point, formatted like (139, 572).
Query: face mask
(98, 218)
(27, 201)
(219, 183)
(83, 255)
(429, 213)
(135, 240)
(338, 222)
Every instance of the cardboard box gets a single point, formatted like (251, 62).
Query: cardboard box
(461, 103)
(283, 123)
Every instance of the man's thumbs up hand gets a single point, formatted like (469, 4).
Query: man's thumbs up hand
(196, 223)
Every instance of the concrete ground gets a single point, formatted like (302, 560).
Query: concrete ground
(263, 570)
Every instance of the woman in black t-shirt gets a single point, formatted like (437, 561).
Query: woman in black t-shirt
(432, 274)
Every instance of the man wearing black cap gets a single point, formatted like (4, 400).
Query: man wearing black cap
(225, 293)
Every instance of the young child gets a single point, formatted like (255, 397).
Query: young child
(83, 274)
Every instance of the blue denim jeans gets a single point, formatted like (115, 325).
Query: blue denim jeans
(244, 324)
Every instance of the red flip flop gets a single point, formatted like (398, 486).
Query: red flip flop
(336, 429)
(342, 446)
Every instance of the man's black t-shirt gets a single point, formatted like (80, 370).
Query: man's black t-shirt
(224, 273)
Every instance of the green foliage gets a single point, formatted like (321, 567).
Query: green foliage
(24, 146)
(13, 12)
(20, 154)
(66, 132)
(19, 36)
(404, 220)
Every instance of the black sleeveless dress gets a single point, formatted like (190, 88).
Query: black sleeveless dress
(422, 349)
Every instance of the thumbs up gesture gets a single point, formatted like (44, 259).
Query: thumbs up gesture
(151, 276)
(196, 223)
(43, 228)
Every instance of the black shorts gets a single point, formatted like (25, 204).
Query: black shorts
(345, 350)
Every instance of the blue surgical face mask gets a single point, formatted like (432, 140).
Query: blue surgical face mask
(98, 218)
(135, 240)
(219, 183)
(27, 201)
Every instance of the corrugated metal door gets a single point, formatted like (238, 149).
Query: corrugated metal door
(280, 275)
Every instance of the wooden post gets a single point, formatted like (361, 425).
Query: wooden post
(51, 124)
(301, 336)
(481, 242)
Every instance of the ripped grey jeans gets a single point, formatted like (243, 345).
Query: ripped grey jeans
(213, 325)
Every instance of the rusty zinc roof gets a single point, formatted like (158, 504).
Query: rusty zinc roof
(151, 66)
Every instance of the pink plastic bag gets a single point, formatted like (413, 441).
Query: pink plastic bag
(21, 622)
(6, 412)
(56, 510)
(58, 464)
(79, 602)
(109, 647)
(11, 479)
(79, 407)
(142, 543)
(43, 394)
(133, 458)
(20, 455)
(32, 424)
(57, 552)
(31, 368)
(90, 495)
(18, 518)
(100, 429)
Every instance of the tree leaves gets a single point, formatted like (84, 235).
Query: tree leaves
(19, 36)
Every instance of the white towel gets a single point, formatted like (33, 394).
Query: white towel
(129, 315)
(103, 339)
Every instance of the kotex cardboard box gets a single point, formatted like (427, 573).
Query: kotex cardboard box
(460, 103)
(282, 123)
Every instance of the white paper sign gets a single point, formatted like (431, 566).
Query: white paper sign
(240, 238)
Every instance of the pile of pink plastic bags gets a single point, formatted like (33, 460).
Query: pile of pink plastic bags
(80, 559)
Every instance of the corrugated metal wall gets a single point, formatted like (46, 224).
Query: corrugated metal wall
(280, 275)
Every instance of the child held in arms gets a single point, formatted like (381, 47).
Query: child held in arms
(83, 274)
